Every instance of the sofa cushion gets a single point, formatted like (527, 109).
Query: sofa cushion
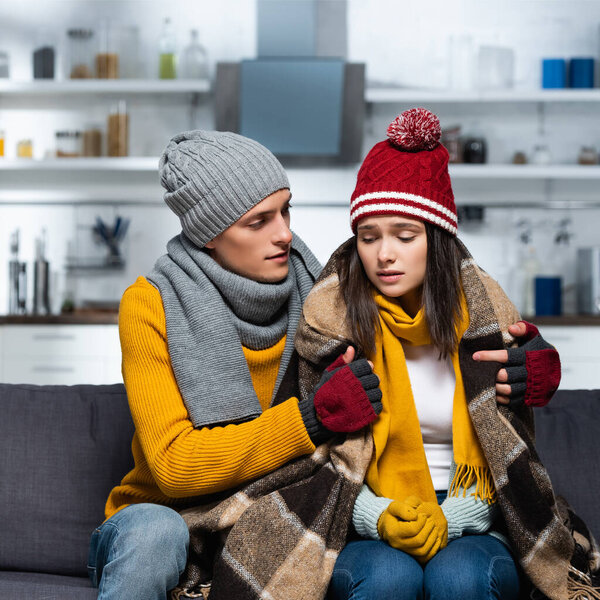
(40, 586)
(62, 448)
(567, 439)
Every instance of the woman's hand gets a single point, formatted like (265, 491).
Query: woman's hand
(415, 527)
(532, 372)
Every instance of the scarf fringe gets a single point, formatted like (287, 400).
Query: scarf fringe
(580, 586)
(466, 475)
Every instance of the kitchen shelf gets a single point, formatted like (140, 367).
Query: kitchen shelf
(373, 94)
(533, 172)
(105, 194)
(149, 164)
(104, 163)
(392, 95)
(320, 186)
(104, 86)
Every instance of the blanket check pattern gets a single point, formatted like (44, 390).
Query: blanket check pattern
(554, 547)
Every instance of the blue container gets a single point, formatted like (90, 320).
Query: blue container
(548, 296)
(581, 73)
(554, 73)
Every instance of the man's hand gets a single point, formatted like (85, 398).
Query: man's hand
(532, 372)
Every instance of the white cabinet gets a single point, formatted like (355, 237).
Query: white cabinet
(579, 350)
(60, 354)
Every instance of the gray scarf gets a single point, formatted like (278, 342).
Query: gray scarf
(211, 312)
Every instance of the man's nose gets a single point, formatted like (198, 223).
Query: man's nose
(283, 233)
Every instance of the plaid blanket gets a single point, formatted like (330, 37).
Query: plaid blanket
(278, 537)
(553, 546)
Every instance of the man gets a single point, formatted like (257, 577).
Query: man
(208, 360)
(206, 341)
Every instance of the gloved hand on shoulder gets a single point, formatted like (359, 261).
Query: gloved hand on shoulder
(533, 370)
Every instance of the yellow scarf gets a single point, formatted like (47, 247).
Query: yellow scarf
(399, 467)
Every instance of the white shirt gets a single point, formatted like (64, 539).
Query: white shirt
(433, 382)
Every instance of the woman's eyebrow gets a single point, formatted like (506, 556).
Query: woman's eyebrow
(415, 226)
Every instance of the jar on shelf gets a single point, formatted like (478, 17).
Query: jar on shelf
(44, 55)
(92, 142)
(68, 144)
(24, 149)
(107, 57)
(80, 53)
(587, 156)
(118, 130)
(475, 150)
(541, 155)
(519, 158)
(451, 141)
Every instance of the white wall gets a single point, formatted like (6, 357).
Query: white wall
(407, 42)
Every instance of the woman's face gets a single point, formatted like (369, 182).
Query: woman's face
(393, 251)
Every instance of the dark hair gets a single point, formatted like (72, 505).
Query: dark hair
(441, 293)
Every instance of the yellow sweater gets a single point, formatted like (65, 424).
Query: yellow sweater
(173, 461)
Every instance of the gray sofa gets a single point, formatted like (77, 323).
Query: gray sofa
(63, 448)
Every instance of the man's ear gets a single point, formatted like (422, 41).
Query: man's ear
(210, 245)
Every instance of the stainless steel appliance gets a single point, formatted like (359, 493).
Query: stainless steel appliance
(588, 280)
(41, 273)
(17, 274)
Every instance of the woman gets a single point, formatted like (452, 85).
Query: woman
(406, 294)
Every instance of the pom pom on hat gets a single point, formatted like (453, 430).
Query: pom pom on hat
(415, 129)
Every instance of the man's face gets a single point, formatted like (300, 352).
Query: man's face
(257, 246)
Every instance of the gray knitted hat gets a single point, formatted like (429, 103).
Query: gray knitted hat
(213, 178)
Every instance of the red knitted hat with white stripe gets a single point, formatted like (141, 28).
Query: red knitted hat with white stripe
(407, 174)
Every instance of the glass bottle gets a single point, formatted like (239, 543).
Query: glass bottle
(194, 60)
(167, 47)
(1, 143)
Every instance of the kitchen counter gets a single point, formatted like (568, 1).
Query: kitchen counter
(566, 320)
(74, 318)
(112, 318)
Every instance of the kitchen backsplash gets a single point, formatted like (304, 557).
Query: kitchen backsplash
(496, 244)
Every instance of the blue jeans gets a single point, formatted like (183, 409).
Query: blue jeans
(477, 567)
(138, 553)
